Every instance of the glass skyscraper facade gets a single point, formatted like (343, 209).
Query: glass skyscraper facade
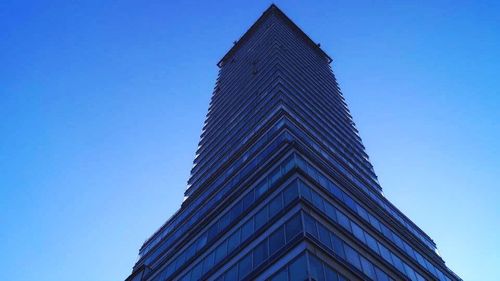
(281, 187)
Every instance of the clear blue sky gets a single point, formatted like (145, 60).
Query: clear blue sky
(102, 104)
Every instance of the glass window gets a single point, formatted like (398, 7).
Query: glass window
(387, 233)
(420, 278)
(384, 252)
(349, 202)
(330, 274)
(298, 269)
(305, 191)
(190, 250)
(381, 276)
(310, 224)
(374, 221)
(358, 232)
(293, 227)
(276, 240)
(291, 192)
(275, 205)
(280, 276)
(245, 266)
(352, 256)
(288, 164)
(367, 268)
(261, 188)
(202, 241)
(338, 247)
(409, 250)
(397, 240)
(196, 272)
(208, 262)
(324, 236)
(248, 199)
(343, 220)
(212, 231)
(224, 221)
(236, 211)
(274, 176)
(260, 253)
(362, 212)
(247, 230)
(397, 263)
(370, 241)
(220, 278)
(233, 241)
(335, 190)
(261, 218)
(232, 273)
(330, 211)
(317, 201)
(186, 277)
(410, 272)
(221, 251)
(316, 268)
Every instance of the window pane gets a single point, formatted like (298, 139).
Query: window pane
(343, 220)
(276, 240)
(281, 276)
(248, 199)
(291, 192)
(316, 268)
(233, 241)
(293, 227)
(260, 253)
(305, 191)
(196, 272)
(247, 230)
(385, 253)
(261, 188)
(330, 274)
(298, 269)
(274, 176)
(358, 232)
(362, 212)
(349, 202)
(311, 226)
(409, 272)
(335, 190)
(330, 211)
(370, 241)
(212, 231)
(208, 262)
(368, 268)
(397, 263)
(261, 218)
(338, 247)
(275, 205)
(224, 221)
(317, 200)
(374, 221)
(236, 211)
(324, 236)
(232, 273)
(352, 256)
(381, 276)
(245, 266)
(221, 251)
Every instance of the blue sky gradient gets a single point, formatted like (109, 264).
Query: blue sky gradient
(102, 104)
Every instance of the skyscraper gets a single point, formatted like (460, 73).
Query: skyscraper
(281, 187)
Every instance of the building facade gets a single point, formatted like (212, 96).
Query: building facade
(281, 187)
